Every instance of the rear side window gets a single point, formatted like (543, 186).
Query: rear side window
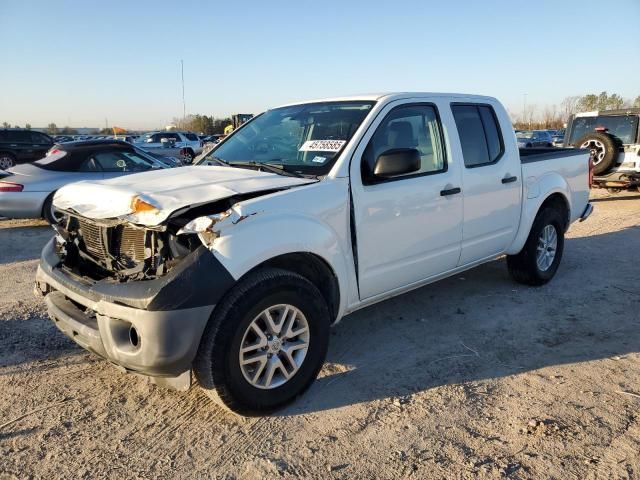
(17, 136)
(479, 134)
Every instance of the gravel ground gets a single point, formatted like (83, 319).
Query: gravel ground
(472, 377)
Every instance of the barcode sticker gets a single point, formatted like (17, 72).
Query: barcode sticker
(322, 145)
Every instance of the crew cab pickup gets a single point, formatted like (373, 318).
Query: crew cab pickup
(235, 268)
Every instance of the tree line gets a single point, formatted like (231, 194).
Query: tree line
(555, 116)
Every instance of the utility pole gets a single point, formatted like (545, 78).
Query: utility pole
(184, 105)
(524, 107)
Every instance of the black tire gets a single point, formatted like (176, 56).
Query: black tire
(188, 155)
(610, 145)
(217, 365)
(7, 160)
(523, 267)
(47, 211)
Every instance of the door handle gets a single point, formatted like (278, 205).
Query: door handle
(509, 179)
(450, 191)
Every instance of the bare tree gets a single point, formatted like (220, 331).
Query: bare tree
(569, 106)
(550, 117)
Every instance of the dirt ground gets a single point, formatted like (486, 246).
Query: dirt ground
(472, 377)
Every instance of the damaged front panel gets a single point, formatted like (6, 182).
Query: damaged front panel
(122, 251)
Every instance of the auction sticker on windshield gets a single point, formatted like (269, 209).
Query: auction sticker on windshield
(322, 145)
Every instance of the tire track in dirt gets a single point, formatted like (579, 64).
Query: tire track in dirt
(244, 440)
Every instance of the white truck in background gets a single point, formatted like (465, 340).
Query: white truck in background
(235, 268)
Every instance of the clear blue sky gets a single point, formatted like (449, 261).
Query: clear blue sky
(73, 62)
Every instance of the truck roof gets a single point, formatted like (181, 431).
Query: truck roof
(390, 96)
(620, 111)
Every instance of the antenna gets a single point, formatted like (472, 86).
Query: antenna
(184, 105)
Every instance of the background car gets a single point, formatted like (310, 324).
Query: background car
(558, 138)
(188, 141)
(26, 191)
(533, 138)
(18, 145)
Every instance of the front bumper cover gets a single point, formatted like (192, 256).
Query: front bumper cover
(151, 327)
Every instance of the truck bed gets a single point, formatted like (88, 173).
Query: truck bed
(528, 155)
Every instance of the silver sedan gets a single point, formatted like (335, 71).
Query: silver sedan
(26, 190)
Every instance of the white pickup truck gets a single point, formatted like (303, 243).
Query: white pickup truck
(235, 268)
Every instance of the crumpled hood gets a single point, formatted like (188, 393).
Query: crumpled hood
(167, 190)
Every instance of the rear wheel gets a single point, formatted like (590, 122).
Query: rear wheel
(265, 342)
(540, 257)
(188, 155)
(604, 150)
(7, 161)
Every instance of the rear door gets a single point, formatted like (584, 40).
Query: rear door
(490, 181)
(19, 141)
(408, 227)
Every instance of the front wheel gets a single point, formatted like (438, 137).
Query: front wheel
(265, 342)
(540, 257)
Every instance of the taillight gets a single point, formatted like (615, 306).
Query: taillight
(53, 150)
(590, 170)
(10, 187)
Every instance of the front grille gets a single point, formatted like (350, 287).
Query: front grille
(114, 247)
(100, 249)
(132, 243)
(94, 238)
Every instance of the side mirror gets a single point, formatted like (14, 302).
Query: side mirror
(397, 161)
(149, 140)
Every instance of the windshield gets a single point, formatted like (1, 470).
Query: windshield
(301, 138)
(621, 126)
(524, 134)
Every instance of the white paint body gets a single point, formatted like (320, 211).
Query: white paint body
(407, 234)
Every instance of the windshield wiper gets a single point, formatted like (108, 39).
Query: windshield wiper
(271, 167)
(219, 161)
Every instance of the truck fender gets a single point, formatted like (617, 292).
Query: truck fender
(250, 238)
(537, 191)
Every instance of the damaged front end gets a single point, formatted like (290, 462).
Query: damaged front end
(117, 249)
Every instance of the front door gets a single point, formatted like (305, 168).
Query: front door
(409, 227)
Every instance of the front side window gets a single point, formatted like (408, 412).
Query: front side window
(479, 134)
(304, 138)
(117, 161)
(408, 127)
(191, 137)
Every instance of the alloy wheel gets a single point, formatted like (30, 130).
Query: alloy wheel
(274, 346)
(547, 247)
